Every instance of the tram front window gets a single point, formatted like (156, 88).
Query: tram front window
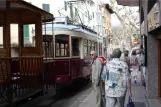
(28, 34)
(61, 45)
(1, 36)
(75, 47)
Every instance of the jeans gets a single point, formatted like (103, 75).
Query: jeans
(115, 101)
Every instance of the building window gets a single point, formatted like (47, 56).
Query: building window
(62, 45)
(46, 7)
(75, 47)
(88, 15)
(93, 14)
(1, 36)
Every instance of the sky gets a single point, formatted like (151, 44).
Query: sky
(114, 20)
(58, 3)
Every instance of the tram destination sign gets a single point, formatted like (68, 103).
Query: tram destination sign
(153, 17)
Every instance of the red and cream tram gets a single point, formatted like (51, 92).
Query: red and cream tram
(69, 46)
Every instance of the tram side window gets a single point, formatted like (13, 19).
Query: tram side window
(85, 48)
(89, 46)
(1, 36)
(75, 47)
(29, 35)
(48, 47)
(62, 45)
(95, 46)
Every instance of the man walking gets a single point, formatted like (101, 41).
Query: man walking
(117, 81)
(96, 77)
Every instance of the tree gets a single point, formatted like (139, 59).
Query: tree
(129, 28)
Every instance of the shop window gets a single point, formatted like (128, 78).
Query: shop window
(48, 45)
(28, 34)
(1, 36)
(62, 45)
(75, 47)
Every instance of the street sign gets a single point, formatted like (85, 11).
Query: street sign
(135, 42)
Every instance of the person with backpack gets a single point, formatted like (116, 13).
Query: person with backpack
(104, 61)
(96, 77)
(134, 64)
(117, 81)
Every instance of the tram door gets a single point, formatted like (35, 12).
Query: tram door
(75, 61)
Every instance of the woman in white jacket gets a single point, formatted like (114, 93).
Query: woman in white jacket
(134, 64)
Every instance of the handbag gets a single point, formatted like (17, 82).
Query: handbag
(130, 103)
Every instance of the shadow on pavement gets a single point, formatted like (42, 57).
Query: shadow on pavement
(46, 101)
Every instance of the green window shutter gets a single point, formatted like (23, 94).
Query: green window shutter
(46, 7)
(26, 33)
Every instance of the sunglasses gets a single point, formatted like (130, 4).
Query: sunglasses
(91, 54)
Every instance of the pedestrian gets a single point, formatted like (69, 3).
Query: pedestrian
(142, 64)
(96, 77)
(117, 81)
(125, 57)
(134, 63)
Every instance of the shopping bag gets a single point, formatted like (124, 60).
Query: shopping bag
(130, 103)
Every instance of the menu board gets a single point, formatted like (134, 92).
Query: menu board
(153, 17)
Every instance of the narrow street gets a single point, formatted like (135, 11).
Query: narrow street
(69, 98)
(83, 96)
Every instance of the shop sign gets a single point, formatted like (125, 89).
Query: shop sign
(153, 17)
(135, 42)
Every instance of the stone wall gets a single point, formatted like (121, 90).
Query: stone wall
(152, 56)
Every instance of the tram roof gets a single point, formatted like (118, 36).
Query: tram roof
(68, 27)
(20, 5)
